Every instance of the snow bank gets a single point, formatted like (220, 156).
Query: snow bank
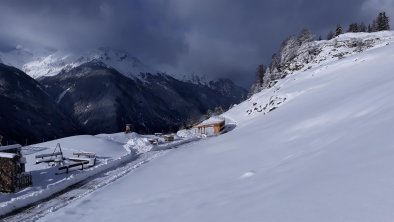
(120, 137)
(185, 133)
(140, 145)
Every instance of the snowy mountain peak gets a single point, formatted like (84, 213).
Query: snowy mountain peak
(39, 63)
(49, 62)
(195, 79)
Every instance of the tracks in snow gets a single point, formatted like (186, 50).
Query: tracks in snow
(79, 190)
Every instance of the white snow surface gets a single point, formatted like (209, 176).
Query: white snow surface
(45, 181)
(7, 155)
(142, 145)
(211, 120)
(324, 154)
(112, 150)
(60, 97)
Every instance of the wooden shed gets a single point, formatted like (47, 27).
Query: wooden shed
(169, 138)
(12, 169)
(212, 125)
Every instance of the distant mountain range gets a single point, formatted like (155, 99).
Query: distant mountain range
(49, 62)
(100, 92)
(27, 112)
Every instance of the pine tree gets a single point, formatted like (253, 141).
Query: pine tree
(289, 48)
(382, 22)
(259, 82)
(275, 63)
(387, 22)
(353, 28)
(260, 73)
(305, 35)
(374, 26)
(330, 35)
(362, 27)
(339, 30)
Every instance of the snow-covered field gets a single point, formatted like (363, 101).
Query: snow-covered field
(322, 152)
(112, 150)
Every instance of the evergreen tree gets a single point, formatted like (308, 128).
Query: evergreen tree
(374, 26)
(362, 27)
(305, 35)
(275, 62)
(382, 22)
(386, 21)
(330, 35)
(259, 82)
(353, 28)
(260, 73)
(338, 30)
(289, 48)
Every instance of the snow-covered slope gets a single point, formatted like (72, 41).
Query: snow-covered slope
(323, 154)
(295, 55)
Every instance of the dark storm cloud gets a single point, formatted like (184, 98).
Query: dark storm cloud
(146, 28)
(221, 38)
(231, 37)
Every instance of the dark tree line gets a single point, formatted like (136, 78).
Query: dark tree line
(354, 27)
(380, 23)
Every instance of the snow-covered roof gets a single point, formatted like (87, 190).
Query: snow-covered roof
(7, 155)
(14, 146)
(210, 121)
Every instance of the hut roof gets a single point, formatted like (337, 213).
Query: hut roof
(9, 147)
(7, 155)
(211, 121)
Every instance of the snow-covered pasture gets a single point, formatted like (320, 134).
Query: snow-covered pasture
(325, 154)
(111, 151)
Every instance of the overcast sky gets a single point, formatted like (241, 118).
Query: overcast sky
(220, 38)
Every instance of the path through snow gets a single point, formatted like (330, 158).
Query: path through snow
(80, 190)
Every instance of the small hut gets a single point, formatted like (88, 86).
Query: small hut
(169, 138)
(213, 125)
(12, 169)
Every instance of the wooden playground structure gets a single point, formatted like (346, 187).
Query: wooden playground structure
(56, 158)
